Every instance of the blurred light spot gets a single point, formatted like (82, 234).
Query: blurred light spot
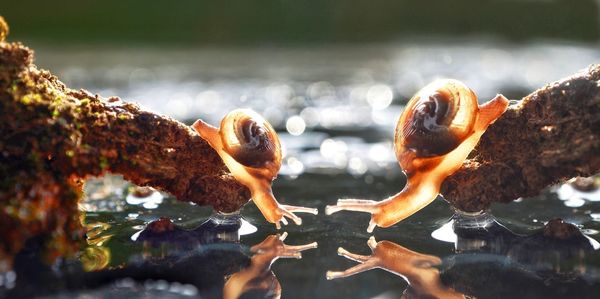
(278, 93)
(177, 287)
(356, 166)
(296, 102)
(345, 116)
(189, 290)
(310, 115)
(296, 167)
(274, 116)
(574, 202)
(330, 148)
(566, 192)
(295, 125)
(208, 101)
(179, 105)
(380, 96)
(409, 82)
(387, 117)
(358, 95)
(320, 89)
(335, 150)
(381, 153)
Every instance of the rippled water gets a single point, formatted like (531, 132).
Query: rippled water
(335, 109)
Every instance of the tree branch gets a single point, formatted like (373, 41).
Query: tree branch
(550, 136)
(51, 136)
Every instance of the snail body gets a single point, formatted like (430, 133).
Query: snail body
(250, 148)
(435, 133)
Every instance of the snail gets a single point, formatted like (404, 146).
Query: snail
(435, 133)
(250, 148)
(418, 269)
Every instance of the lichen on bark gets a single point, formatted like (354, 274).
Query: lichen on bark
(53, 136)
(548, 137)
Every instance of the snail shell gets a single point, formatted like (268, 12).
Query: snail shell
(250, 139)
(437, 119)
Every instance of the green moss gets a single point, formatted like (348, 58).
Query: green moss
(34, 157)
(14, 87)
(55, 113)
(103, 163)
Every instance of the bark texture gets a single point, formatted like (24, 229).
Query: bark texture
(550, 136)
(51, 137)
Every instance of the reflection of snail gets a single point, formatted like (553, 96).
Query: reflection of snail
(250, 149)
(436, 132)
(258, 277)
(418, 269)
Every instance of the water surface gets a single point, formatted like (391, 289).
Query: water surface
(335, 109)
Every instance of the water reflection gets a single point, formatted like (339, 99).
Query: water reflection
(418, 269)
(208, 261)
(258, 280)
(493, 262)
(577, 191)
(490, 261)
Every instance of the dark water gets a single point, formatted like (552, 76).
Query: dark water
(335, 110)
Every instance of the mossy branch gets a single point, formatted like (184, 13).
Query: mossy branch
(52, 136)
(550, 136)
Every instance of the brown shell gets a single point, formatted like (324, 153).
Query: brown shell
(437, 119)
(250, 139)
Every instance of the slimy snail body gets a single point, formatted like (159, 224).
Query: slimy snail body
(435, 133)
(250, 148)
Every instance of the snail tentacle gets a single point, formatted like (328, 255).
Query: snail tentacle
(350, 204)
(298, 209)
(208, 133)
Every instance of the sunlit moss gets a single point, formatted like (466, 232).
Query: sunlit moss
(31, 98)
(103, 163)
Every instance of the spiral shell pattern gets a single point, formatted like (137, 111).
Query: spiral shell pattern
(250, 139)
(437, 119)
